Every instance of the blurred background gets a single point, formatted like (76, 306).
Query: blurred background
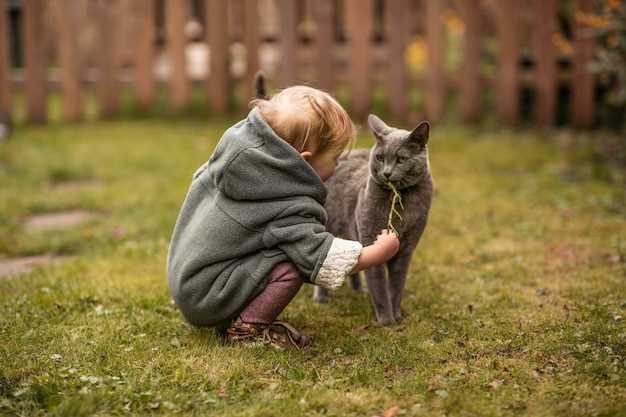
(517, 293)
(539, 62)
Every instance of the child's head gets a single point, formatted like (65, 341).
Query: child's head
(312, 122)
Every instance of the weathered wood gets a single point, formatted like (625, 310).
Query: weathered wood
(324, 43)
(66, 25)
(144, 63)
(435, 45)
(34, 61)
(176, 14)
(398, 34)
(251, 42)
(288, 42)
(470, 78)
(544, 24)
(217, 34)
(5, 65)
(108, 90)
(359, 23)
(507, 91)
(582, 79)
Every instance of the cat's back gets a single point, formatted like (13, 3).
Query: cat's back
(350, 177)
(351, 171)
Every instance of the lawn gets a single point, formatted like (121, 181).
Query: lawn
(516, 298)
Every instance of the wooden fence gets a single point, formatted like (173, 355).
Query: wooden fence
(352, 47)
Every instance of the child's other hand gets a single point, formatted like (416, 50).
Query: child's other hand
(388, 241)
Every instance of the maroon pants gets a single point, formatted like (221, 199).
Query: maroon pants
(282, 286)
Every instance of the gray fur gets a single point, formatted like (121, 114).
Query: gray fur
(259, 86)
(358, 205)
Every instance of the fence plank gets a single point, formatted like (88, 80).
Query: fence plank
(218, 82)
(545, 59)
(324, 43)
(144, 64)
(359, 23)
(507, 83)
(470, 78)
(251, 42)
(435, 45)
(582, 79)
(288, 42)
(107, 89)
(176, 14)
(66, 25)
(5, 64)
(398, 34)
(34, 61)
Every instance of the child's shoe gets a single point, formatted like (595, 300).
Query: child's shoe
(279, 334)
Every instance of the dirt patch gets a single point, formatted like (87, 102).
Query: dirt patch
(10, 267)
(58, 220)
(78, 185)
(559, 255)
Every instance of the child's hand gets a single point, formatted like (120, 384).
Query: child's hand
(388, 241)
(384, 248)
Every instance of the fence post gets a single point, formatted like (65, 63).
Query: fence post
(545, 68)
(217, 32)
(288, 42)
(34, 61)
(65, 18)
(5, 63)
(324, 43)
(359, 24)
(507, 78)
(251, 41)
(107, 87)
(435, 42)
(470, 76)
(176, 15)
(398, 33)
(582, 80)
(144, 62)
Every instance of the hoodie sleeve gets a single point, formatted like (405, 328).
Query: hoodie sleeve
(299, 233)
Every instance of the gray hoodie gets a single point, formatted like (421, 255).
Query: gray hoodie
(256, 202)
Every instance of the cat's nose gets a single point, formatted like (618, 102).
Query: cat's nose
(386, 175)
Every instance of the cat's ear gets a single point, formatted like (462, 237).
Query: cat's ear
(377, 126)
(420, 133)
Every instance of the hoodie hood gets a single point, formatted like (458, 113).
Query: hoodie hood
(251, 162)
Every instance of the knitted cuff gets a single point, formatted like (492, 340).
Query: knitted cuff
(341, 258)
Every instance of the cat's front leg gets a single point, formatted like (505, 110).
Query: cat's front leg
(398, 270)
(379, 291)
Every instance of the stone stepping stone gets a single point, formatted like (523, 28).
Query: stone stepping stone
(58, 220)
(10, 267)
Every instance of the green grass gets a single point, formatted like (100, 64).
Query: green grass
(516, 299)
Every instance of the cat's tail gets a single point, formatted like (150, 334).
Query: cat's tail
(259, 86)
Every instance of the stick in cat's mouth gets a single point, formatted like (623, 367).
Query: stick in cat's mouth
(396, 199)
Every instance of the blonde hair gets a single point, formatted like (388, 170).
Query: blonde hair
(308, 119)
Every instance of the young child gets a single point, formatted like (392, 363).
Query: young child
(251, 229)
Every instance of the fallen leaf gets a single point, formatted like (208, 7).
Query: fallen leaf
(391, 411)
(495, 384)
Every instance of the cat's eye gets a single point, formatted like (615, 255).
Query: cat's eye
(401, 159)
(379, 157)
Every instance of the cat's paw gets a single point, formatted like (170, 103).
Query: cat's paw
(384, 322)
(399, 317)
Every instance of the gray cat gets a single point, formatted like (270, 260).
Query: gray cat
(358, 205)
